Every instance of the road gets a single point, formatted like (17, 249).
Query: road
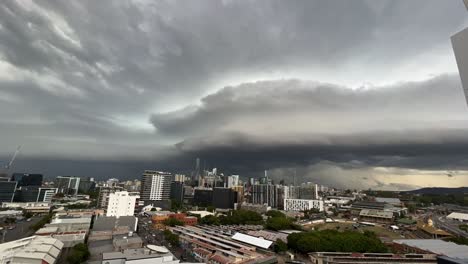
(22, 229)
(448, 225)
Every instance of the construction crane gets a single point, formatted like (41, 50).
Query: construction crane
(8, 165)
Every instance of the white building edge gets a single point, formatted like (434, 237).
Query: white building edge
(460, 48)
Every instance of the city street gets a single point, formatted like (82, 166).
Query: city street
(21, 230)
(156, 237)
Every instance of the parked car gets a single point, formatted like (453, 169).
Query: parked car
(28, 220)
(11, 227)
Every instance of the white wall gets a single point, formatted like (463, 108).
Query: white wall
(121, 204)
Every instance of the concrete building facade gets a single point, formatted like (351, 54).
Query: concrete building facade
(302, 204)
(155, 185)
(122, 204)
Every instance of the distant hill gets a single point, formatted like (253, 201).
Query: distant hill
(439, 190)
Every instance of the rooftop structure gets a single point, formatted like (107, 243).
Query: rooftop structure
(35, 249)
(374, 258)
(251, 240)
(392, 201)
(220, 244)
(458, 216)
(107, 223)
(435, 246)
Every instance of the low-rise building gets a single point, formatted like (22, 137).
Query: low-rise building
(377, 216)
(302, 204)
(458, 216)
(431, 246)
(150, 254)
(260, 208)
(71, 230)
(35, 249)
(222, 246)
(159, 219)
(374, 258)
(31, 207)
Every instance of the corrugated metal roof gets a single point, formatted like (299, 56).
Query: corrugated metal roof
(251, 240)
(437, 246)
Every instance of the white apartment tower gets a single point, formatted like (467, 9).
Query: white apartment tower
(121, 204)
(156, 185)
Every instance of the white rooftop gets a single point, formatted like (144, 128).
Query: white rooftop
(460, 216)
(251, 240)
(437, 246)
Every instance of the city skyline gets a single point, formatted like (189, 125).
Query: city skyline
(372, 99)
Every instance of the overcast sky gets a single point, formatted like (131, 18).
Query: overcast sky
(358, 93)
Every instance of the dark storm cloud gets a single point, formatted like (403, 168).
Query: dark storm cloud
(85, 78)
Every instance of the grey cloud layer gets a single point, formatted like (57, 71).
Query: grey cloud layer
(83, 78)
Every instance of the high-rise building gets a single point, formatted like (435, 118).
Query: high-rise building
(232, 181)
(224, 198)
(25, 179)
(34, 194)
(179, 178)
(265, 194)
(86, 184)
(156, 185)
(122, 204)
(177, 191)
(203, 196)
(240, 193)
(67, 184)
(7, 191)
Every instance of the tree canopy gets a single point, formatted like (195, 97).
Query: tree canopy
(334, 241)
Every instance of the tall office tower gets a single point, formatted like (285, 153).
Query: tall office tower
(156, 185)
(232, 181)
(179, 178)
(308, 191)
(67, 184)
(240, 193)
(203, 196)
(224, 198)
(460, 47)
(121, 204)
(177, 191)
(25, 179)
(265, 194)
(86, 184)
(7, 191)
(34, 194)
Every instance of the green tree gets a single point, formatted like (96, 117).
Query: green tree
(280, 246)
(275, 213)
(211, 208)
(176, 205)
(153, 209)
(171, 238)
(334, 241)
(210, 220)
(79, 254)
(280, 223)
